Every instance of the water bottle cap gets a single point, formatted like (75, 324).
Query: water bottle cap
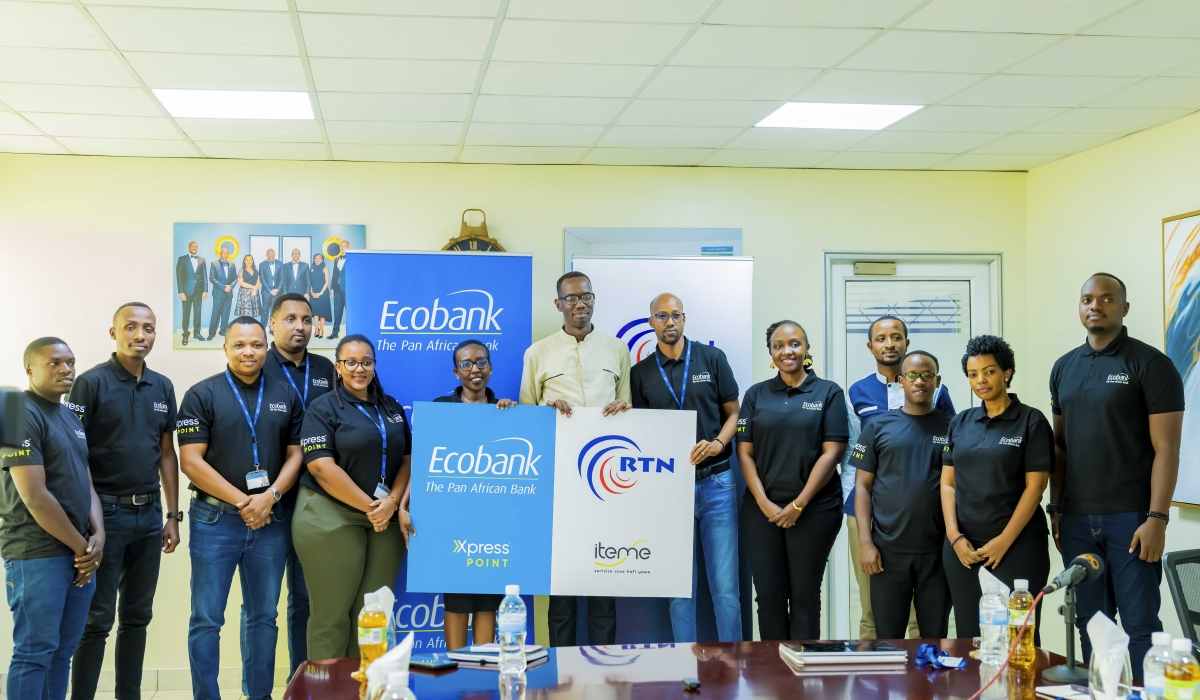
(1161, 639)
(370, 599)
(512, 589)
(1181, 644)
(1021, 583)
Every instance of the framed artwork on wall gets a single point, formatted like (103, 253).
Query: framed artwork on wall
(1181, 324)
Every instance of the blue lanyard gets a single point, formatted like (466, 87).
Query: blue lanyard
(682, 389)
(382, 433)
(246, 412)
(288, 375)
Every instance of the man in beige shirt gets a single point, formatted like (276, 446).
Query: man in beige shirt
(577, 366)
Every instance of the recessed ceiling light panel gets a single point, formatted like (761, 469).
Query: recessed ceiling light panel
(827, 115)
(235, 104)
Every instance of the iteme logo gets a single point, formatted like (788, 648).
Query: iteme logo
(612, 557)
(481, 318)
(613, 464)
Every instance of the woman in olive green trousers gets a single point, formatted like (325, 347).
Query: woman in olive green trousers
(348, 528)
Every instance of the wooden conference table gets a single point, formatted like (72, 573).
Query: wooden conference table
(635, 671)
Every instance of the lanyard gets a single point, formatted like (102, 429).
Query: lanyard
(246, 412)
(682, 389)
(383, 434)
(288, 375)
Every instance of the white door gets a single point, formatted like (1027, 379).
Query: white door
(944, 300)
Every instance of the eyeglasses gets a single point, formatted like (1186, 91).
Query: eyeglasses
(914, 376)
(355, 364)
(573, 299)
(676, 317)
(481, 363)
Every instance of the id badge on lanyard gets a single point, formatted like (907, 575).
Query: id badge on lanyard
(257, 478)
(381, 489)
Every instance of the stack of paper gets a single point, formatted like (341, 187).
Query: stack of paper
(838, 658)
(489, 654)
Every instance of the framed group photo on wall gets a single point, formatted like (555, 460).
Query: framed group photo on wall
(1181, 323)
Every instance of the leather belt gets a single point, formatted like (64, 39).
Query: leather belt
(213, 501)
(141, 499)
(712, 470)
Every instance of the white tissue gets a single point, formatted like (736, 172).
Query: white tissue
(988, 582)
(1110, 648)
(396, 660)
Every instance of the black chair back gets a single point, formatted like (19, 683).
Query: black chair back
(1183, 578)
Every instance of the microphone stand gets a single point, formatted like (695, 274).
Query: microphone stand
(1069, 672)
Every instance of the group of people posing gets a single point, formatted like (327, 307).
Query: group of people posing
(300, 467)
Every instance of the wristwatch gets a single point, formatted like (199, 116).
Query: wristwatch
(275, 492)
(175, 515)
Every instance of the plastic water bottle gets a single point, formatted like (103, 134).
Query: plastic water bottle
(1153, 665)
(1019, 605)
(993, 628)
(510, 620)
(1182, 673)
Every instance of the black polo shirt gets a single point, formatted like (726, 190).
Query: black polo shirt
(341, 431)
(211, 415)
(710, 383)
(904, 452)
(456, 396)
(124, 418)
(1106, 398)
(787, 426)
(320, 373)
(991, 457)
(55, 440)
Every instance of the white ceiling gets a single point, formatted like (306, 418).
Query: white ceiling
(1009, 84)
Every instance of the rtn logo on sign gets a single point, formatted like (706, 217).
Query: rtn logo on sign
(481, 318)
(613, 463)
(1118, 378)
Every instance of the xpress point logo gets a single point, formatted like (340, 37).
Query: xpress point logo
(613, 463)
(480, 318)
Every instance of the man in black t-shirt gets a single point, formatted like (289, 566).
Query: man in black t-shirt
(51, 529)
(898, 501)
(1118, 414)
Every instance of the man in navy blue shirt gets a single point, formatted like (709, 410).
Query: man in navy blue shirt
(871, 396)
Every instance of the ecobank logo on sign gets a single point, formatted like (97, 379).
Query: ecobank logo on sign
(614, 463)
(476, 314)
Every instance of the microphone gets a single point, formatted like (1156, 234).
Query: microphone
(1083, 568)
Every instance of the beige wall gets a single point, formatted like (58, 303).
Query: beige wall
(84, 234)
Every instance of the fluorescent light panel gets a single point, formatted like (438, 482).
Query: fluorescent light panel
(235, 104)
(827, 115)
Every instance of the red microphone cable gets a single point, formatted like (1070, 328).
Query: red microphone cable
(1013, 648)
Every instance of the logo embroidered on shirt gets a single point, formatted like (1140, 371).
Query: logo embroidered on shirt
(1118, 378)
(80, 434)
(702, 377)
(78, 408)
(941, 440)
(280, 407)
(1012, 442)
(321, 382)
(813, 405)
(161, 407)
(395, 418)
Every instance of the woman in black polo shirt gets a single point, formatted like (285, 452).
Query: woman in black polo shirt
(792, 432)
(995, 467)
(349, 530)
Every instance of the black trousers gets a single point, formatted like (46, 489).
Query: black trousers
(1027, 558)
(132, 551)
(219, 318)
(339, 307)
(192, 304)
(788, 566)
(915, 580)
(601, 620)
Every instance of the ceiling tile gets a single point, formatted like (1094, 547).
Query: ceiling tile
(103, 126)
(262, 130)
(46, 25)
(373, 36)
(1158, 93)
(174, 30)
(12, 124)
(396, 154)
(996, 161)
(1045, 143)
(441, 8)
(158, 148)
(667, 136)
(63, 67)
(1039, 90)
(77, 99)
(799, 139)
(885, 87)
(714, 83)
(1026, 16)
(264, 5)
(488, 134)
(216, 72)
(884, 161)
(812, 13)
(677, 11)
(538, 41)
(770, 47)
(975, 118)
(563, 80)
(696, 113)
(646, 156)
(393, 75)
(546, 110)
(758, 158)
(1191, 70)
(1111, 55)
(28, 144)
(1112, 121)
(262, 151)
(1154, 18)
(435, 133)
(356, 106)
(924, 141)
(520, 154)
(937, 51)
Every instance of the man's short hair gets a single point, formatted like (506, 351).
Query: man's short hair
(466, 344)
(936, 365)
(128, 304)
(246, 321)
(1124, 291)
(871, 330)
(36, 346)
(568, 276)
(285, 298)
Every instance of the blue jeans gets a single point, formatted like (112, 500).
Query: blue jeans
(1129, 586)
(49, 613)
(297, 606)
(716, 516)
(220, 543)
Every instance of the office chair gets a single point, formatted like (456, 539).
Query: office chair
(1183, 578)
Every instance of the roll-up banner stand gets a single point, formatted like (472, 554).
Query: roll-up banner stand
(717, 295)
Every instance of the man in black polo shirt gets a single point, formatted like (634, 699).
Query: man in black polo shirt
(686, 375)
(1118, 414)
(128, 413)
(51, 529)
(239, 444)
(309, 376)
(898, 502)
